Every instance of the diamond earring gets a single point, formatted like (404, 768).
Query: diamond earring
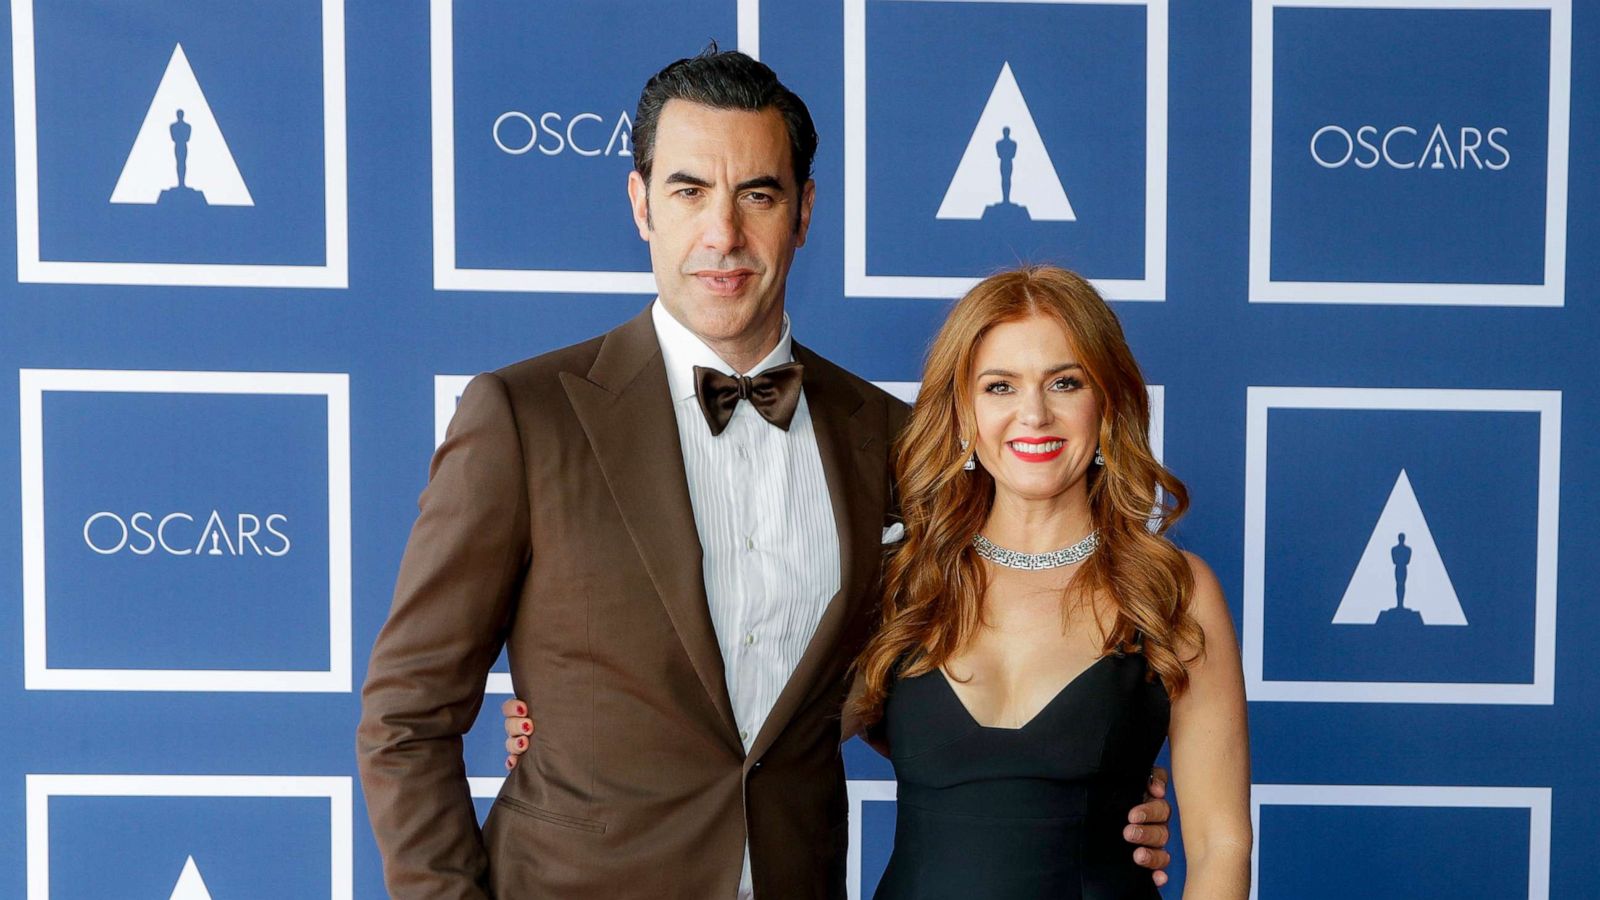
(972, 461)
(1098, 459)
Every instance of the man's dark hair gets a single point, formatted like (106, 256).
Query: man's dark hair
(723, 79)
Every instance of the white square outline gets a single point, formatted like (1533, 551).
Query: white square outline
(446, 275)
(1551, 292)
(1158, 420)
(862, 791)
(1535, 799)
(901, 390)
(857, 283)
(1260, 400)
(40, 788)
(333, 273)
(485, 787)
(39, 675)
(447, 391)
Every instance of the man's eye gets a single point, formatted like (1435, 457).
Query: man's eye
(688, 192)
(759, 198)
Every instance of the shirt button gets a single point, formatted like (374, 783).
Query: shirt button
(749, 543)
(744, 735)
(743, 453)
(750, 638)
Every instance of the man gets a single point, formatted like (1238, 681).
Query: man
(680, 561)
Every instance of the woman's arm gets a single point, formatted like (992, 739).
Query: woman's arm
(1211, 754)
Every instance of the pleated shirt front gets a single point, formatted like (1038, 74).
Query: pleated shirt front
(770, 546)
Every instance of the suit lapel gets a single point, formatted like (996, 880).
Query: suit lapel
(849, 435)
(625, 407)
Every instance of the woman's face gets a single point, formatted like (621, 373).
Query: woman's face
(1038, 416)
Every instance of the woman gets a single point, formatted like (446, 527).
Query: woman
(1040, 636)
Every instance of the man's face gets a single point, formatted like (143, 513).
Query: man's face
(723, 217)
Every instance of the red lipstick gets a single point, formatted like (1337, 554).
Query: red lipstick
(1037, 449)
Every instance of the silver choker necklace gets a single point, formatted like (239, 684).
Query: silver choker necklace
(1055, 559)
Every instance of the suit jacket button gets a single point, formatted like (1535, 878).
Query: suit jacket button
(755, 767)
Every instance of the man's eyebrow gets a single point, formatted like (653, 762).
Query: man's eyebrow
(686, 178)
(761, 181)
(770, 182)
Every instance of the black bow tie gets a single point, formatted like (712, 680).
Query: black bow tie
(774, 393)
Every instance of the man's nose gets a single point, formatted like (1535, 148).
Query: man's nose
(722, 230)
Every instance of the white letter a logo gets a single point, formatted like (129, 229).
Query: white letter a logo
(180, 152)
(1005, 173)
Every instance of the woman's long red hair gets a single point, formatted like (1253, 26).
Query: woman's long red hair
(934, 583)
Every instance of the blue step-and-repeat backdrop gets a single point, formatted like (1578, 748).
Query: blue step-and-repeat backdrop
(259, 247)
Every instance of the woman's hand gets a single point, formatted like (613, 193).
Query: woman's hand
(519, 730)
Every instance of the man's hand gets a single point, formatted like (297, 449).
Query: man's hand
(1147, 827)
(519, 728)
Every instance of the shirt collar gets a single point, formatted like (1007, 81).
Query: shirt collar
(682, 350)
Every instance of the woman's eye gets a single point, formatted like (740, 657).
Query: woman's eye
(998, 387)
(1066, 384)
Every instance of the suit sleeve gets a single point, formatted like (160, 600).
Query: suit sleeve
(459, 580)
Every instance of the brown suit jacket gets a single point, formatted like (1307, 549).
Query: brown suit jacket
(557, 521)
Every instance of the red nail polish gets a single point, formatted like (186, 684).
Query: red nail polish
(521, 710)
(527, 726)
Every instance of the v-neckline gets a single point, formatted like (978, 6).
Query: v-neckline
(951, 688)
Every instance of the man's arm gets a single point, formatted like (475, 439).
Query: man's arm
(453, 600)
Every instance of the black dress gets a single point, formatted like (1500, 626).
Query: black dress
(1035, 812)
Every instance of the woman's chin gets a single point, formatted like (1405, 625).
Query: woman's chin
(1033, 490)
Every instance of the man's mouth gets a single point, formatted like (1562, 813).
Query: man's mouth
(727, 282)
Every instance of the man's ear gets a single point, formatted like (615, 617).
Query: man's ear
(808, 194)
(639, 199)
